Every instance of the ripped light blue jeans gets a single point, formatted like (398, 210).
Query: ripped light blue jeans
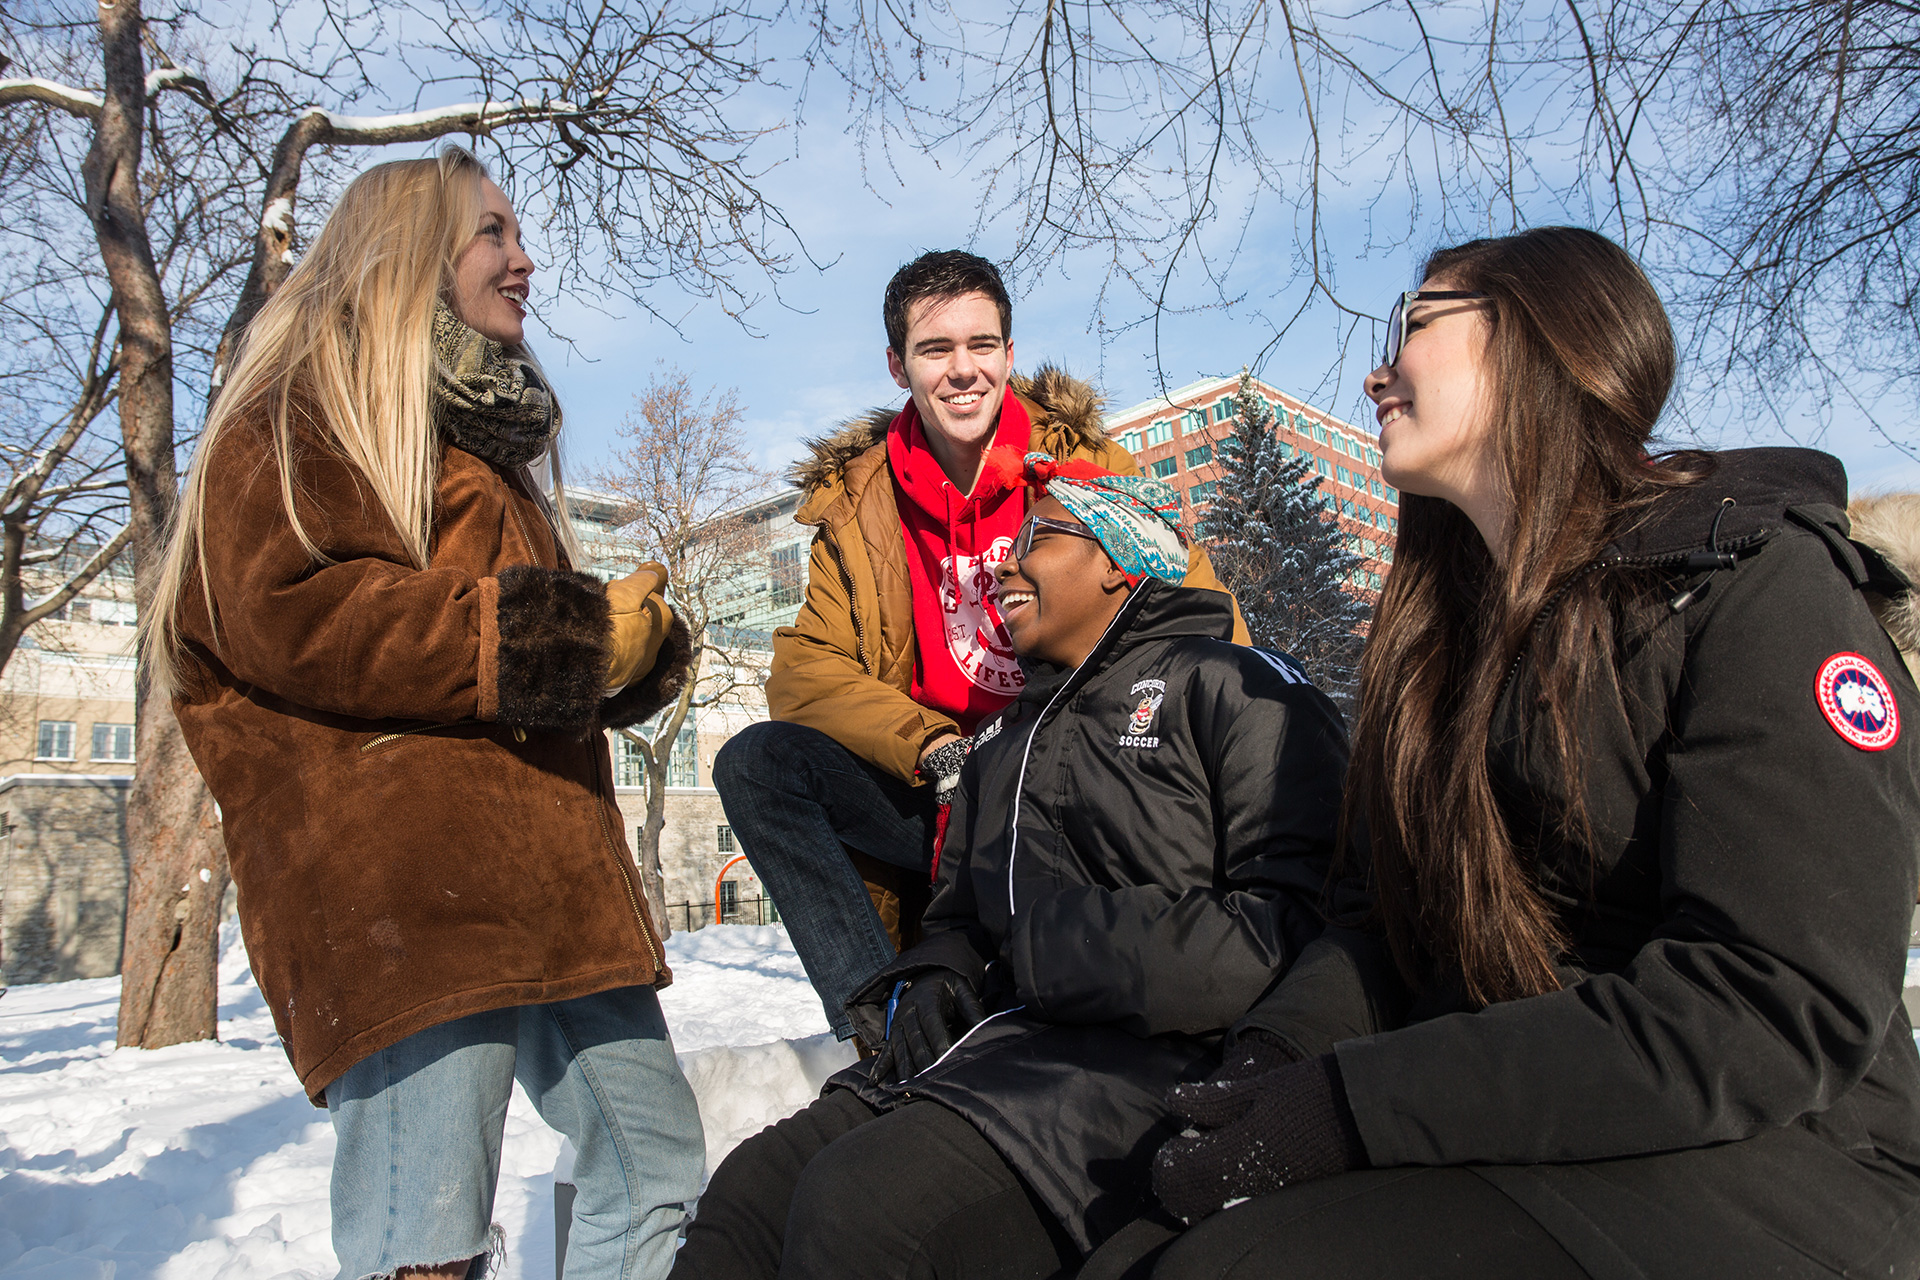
(419, 1124)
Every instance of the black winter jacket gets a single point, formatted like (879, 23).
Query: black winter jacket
(1138, 849)
(1738, 947)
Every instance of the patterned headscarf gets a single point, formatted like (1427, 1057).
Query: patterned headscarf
(1136, 519)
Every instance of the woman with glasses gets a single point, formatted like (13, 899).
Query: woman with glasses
(1631, 847)
(1137, 850)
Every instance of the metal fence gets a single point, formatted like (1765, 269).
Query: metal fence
(688, 916)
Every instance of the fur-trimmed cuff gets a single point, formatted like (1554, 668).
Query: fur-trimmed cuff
(555, 631)
(657, 687)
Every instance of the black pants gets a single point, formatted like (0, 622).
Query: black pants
(802, 807)
(1393, 1224)
(837, 1192)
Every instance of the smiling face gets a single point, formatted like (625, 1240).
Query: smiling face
(956, 363)
(490, 275)
(1058, 598)
(1435, 408)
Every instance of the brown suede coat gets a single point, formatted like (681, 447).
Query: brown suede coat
(416, 799)
(846, 663)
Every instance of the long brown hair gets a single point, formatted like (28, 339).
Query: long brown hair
(1581, 359)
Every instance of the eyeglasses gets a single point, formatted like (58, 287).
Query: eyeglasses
(1023, 541)
(1397, 318)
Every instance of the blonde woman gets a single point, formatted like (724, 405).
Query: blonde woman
(393, 680)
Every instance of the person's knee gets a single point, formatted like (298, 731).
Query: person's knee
(765, 751)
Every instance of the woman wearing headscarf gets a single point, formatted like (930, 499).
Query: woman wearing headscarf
(394, 679)
(1134, 855)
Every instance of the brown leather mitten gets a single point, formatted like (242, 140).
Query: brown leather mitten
(640, 621)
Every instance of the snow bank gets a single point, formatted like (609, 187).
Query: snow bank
(206, 1162)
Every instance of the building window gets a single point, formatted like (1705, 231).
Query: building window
(1346, 477)
(788, 574)
(1324, 467)
(723, 836)
(1393, 495)
(729, 898)
(1223, 411)
(1130, 442)
(113, 742)
(1165, 467)
(1199, 457)
(56, 740)
(629, 766)
(1375, 486)
(115, 613)
(1203, 492)
(1159, 433)
(683, 765)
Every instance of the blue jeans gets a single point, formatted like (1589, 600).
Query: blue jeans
(419, 1123)
(797, 800)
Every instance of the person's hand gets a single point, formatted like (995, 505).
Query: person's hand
(1253, 1053)
(941, 762)
(927, 1012)
(640, 622)
(1251, 1136)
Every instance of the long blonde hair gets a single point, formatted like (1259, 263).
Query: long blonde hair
(349, 336)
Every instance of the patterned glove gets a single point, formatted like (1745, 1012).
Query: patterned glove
(942, 767)
(1256, 1135)
(924, 1016)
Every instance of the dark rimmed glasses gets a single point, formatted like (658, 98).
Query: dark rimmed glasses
(1023, 541)
(1397, 318)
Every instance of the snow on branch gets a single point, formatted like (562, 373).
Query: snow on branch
(79, 102)
(419, 126)
(85, 103)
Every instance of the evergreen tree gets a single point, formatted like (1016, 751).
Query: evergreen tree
(1277, 544)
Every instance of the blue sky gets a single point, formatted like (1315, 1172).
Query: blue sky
(821, 357)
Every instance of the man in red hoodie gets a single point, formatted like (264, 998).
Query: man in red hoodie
(899, 649)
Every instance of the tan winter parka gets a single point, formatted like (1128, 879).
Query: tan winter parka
(846, 663)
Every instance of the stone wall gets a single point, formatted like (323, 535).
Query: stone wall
(691, 856)
(63, 876)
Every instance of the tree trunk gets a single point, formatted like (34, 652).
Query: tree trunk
(168, 990)
(169, 966)
(651, 877)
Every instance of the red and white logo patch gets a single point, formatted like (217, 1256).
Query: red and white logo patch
(1858, 702)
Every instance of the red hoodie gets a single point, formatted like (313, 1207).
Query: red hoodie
(964, 664)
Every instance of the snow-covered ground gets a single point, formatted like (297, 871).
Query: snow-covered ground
(206, 1162)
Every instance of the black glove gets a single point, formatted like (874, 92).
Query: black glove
(1256, 1135)
(1253, 1053)
(924, 1016)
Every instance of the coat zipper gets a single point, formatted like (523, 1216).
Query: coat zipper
(391, 737)
(859, 632)
(1020, 782)
(1617, 562)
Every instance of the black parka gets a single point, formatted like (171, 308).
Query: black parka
(1138, 849)
(1728, 1060)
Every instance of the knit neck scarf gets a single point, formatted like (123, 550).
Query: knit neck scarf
(488, 400)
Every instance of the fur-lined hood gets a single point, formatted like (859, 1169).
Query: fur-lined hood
(1890, 524)
(1067, 404)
